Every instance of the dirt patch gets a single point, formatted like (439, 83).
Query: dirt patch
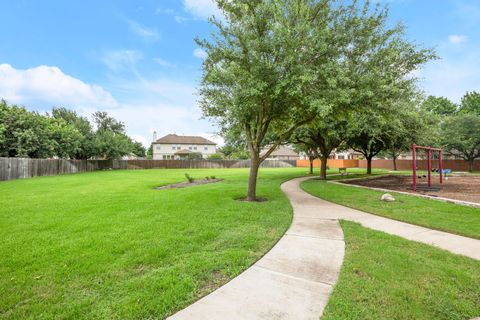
(465, 188)
(187, 184)
(258, 199)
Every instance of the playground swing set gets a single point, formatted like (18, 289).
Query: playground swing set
(440, 169)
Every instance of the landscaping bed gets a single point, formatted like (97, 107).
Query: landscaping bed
(188, 183)
(465, 188)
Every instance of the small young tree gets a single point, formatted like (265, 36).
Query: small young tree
(307, 149)
(461, 137)
(150, 152)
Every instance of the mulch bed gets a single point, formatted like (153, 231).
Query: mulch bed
(466, 188)
(187, 184)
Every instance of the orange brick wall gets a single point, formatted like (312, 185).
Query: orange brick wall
(331, 163)
(455, 165)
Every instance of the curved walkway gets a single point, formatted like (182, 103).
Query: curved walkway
(295, 278)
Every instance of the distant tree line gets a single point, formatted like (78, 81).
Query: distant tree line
(458, 125)
(63, 134)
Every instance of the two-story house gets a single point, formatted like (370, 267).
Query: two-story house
(173, 146)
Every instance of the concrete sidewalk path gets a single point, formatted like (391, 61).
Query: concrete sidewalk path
(295, 278)
(313, 207)
(292, 281)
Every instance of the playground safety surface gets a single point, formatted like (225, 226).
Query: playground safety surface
(465, 188)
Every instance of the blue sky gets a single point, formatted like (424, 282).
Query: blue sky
(138, 59)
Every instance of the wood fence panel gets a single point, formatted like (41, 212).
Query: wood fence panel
(19, 168)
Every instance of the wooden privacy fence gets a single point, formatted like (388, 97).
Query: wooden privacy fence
(18, 168)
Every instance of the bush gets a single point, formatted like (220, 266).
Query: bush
(215, 156)
(212, 177)
(189, 178)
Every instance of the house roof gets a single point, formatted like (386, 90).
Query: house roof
(175, 139)
(282, 151)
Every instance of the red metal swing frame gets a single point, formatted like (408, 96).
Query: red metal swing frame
(429, 164)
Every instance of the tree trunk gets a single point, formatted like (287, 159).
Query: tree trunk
(394, 163)
(252, 178)
(311, 164)
(470, 164)
(323, 168)
(369, 165)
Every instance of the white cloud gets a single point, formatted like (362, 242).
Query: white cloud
(46, 86)
(144, 32)
(202, 9)
(452, 77)
(200, 53)
(212, 137)
(180, 19)
(456, 39)
(165, 105)
(164, 63)
(117, 60)
(167, 11)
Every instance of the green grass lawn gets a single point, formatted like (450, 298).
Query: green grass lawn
(424, 212)
(107, 245)
(387, 277)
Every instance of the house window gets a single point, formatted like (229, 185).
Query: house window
(173, 148)
(164, 157)
(190, 148)
(157, 147)
(205, 148)
(195, 148)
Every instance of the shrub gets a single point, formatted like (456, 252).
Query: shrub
(212, 177)
(189, 178)
(215, 156)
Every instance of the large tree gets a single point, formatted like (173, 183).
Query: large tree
(110, 139)
(25, 133)
(470, 103)
(461, 137)
(414, 125)
(86, 148)
(371, 134)
(321, 137)
(440, 106)
(264, 63)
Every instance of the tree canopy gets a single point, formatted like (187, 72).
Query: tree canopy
(461, 136)
(275, 65)
(63, 134)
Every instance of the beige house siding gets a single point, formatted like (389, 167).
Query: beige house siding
(167, 151)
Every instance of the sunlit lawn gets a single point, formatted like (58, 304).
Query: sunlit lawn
(107, 245)
(387, 277)
(429, 213)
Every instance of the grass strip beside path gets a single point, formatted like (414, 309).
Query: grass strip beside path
(387, 277)
(432, 214)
